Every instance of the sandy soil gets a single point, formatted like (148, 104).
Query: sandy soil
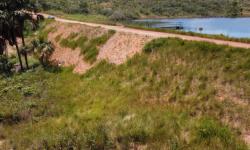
(117, 50)
(66, 56)
(246, 137)
(122, 46)
(1, 143)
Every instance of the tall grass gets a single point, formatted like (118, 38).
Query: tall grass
(164, 98)
(43, 32)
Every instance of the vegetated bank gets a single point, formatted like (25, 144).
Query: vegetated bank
(174, 95)
(121, 10)
(83, 46)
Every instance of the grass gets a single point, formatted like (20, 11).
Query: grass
(164, 98)
(97, 18)
(89, 47)
(58, 37)
(70, 41)
(43, 32)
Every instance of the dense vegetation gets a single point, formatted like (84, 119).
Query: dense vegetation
(16, 22)
(175, 95)
(129, 9)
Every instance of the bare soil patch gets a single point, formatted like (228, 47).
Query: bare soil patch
(246, 138)
(66, 56)
(117, 50)
(227, 92)
(1, 144)
(123, 46)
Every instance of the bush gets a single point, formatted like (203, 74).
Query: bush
(123, 15)
(5, 65)
(152, 46)
(118, 16)
(68, 43)
(106, 11)
(209, 130)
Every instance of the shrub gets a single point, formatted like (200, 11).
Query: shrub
(72, 35)
(90, 49)
(58, 37)
(81, 41)
(68, 43)
(5, 65)
(118, 16)
(155, 44)
(106, 11)
(210, 129)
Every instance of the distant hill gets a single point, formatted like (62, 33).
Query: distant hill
(152, 8)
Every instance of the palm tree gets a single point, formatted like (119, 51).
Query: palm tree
(43, 50)
(25, 50)
(21, 17)
(2, 46)
(12, 18)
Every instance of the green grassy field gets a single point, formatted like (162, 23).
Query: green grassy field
(164, 98)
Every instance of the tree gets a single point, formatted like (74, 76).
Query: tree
(83, 7)
(5, 65)
(13, 14)
(234, 9)
(43, 50)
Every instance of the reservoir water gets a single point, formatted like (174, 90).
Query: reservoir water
(231, 27)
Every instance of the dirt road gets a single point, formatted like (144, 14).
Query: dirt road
(155, 34)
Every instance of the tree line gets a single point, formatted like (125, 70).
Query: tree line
(130, 9)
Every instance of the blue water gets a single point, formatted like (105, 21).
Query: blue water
(231, 27)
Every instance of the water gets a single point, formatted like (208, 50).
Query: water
(231, 27)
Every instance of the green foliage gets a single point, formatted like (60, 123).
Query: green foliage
(72, 35)
(121, 16)
(122, 10)
(89, 48)
(21, 98)
(5, 65)
(97, 18)
(43, 32)
(155, 44)
(209, 129)
(81, 41)
(234, 9)
(156, 101)
(70, 41)
(43, 50)
(58, 37)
